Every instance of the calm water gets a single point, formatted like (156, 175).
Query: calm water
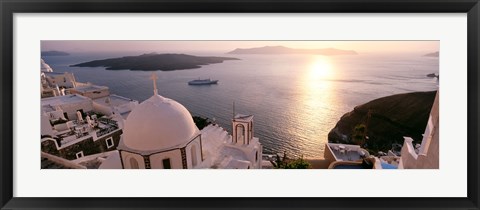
(296, 99)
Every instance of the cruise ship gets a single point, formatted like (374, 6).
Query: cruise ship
(203, 82)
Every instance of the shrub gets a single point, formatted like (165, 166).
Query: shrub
(286, 163)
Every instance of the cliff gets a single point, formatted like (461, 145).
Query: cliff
(391, 118)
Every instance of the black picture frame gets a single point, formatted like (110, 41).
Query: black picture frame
(10, 7)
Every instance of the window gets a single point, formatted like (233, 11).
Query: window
(256, 156)
(109, 142)
(133, 163)
(240, 132)
(194, 155)
(166, 163)
(79, 154)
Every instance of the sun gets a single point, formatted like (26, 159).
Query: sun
(320, 69)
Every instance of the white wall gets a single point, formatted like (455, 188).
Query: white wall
(71, 109)
(428, 156)
(60, 80)
(93, 94)
(46, 127)
(106, 110)
(55, 114)
(156, 160)
(198, 152)
(125, 107)
(126, 156)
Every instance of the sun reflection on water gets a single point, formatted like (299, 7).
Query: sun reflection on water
(314, 106)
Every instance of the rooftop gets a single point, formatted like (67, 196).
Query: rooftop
(90, 88)
(96, 160)
(49, 161)
(113, 161)
(347, 152)
(61, 100)
(243, 117)
(82, 131)
(113, 100)
(48, 164)
(51, 73)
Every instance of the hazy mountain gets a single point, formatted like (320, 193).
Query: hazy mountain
(286, 50)
(433, 54)
(54, 53)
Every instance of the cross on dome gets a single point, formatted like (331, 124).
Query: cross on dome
(154, 78)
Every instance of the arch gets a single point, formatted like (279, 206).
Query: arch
(250, 132)
(133, 163)
(239, 128)
(193, 153)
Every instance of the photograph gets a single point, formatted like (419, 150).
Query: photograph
(239, 104)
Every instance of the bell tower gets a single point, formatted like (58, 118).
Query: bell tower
(242, 129)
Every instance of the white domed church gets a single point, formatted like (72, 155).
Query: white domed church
(160, 134)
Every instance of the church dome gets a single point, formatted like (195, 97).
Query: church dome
(158, 123)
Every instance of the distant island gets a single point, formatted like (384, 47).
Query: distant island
(54, 53)
(387, 120)
(154, 61)
(286, 50)
(433, 54)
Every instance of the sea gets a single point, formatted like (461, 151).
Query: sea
(295, 99)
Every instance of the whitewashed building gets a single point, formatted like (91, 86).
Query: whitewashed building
(160, 134)
(77, 122)
(65, 79)
(420, 156)
(66, 106)
(103, 101)
(44, 67)
(91, 91)
(427, 155)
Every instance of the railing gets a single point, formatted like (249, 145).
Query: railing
(74, 137)
(108, 121)
(105, 131)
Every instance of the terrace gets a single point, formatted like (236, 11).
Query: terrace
(346, 152)
(63, 100)
(78, 131)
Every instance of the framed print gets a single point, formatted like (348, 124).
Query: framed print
(262, 101)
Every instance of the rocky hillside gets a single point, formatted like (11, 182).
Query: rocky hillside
(153, 62)
(391, 118)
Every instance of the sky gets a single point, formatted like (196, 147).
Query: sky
(72, 46)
